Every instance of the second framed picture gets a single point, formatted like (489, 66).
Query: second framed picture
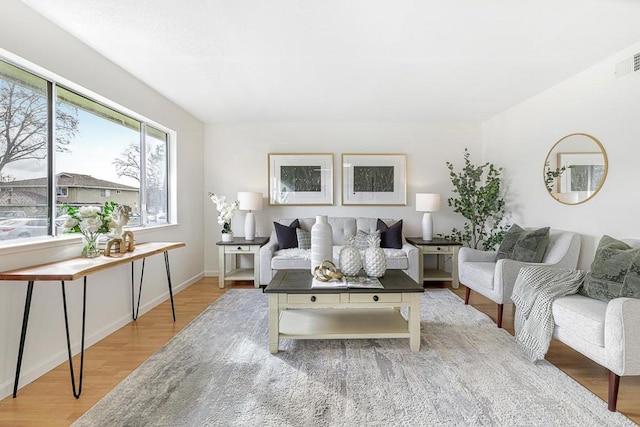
(374, 179)
(300, 179)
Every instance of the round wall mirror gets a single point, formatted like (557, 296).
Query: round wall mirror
(575, 169)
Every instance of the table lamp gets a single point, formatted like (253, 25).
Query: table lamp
(249, 201)
(427, 203)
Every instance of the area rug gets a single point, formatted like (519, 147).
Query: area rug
(218, 372)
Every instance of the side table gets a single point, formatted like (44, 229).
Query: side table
(438, 247)
(227, 261)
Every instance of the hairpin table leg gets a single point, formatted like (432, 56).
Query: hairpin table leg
(23, 335)
(76, 393)
(135, 308)
(166, 264)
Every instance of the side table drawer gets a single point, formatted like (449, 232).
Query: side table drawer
(373, 297)
(437, 249)
(237, 249)
(311, 298)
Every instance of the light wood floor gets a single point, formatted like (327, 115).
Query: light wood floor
(48, 400)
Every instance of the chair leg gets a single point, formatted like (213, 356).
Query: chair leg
(466, 296)
(500, 310)
(614, 384)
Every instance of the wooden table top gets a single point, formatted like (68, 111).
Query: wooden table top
(76, 268)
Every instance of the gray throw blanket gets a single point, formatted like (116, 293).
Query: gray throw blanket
(534, 291)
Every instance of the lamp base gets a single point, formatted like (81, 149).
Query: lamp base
(249, 226)
(427, 227)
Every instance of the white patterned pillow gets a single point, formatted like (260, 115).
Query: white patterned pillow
(362, 237)
(304, 238)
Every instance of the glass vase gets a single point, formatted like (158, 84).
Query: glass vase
(90, 245)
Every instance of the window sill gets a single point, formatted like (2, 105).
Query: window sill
(9, 247)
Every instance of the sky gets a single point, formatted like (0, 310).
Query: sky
(92, 152)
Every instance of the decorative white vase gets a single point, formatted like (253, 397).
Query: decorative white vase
(227, 237)
(321, 242)
(375, 261)
(350, 259)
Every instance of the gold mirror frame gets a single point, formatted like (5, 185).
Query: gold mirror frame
(569, 153)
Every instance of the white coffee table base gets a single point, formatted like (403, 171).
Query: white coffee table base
(338, 316)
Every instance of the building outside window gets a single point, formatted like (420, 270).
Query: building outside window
(98, 154)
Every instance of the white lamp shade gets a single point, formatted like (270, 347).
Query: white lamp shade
(250, 201)
(427, 202)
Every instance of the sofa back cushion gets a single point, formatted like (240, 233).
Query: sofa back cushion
(615, 271)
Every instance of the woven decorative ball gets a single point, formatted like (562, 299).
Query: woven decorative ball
(374, 262)
(350, 259)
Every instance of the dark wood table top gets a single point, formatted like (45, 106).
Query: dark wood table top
(242, 241)
(436, 241)
(299, 282)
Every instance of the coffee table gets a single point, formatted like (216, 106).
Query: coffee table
(296, 311)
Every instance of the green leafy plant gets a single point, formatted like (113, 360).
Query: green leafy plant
(551, 175)
(477, 197)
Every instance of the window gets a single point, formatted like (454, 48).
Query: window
(99, 153)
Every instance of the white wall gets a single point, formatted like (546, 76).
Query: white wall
(592, 102)
(236, 160)
(29, 36)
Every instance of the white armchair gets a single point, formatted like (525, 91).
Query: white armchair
(482, 272)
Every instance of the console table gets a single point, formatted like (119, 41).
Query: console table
(76, 268)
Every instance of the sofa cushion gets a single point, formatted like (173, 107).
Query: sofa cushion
(304, 238)
(362, 239)
(524, 245)
(287, 235)
(390, 236)
(582, 316)
(615, 271)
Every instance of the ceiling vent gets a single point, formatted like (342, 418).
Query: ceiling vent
(628, 66)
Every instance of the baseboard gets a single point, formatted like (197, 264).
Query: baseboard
(213, 273)
(26, 377)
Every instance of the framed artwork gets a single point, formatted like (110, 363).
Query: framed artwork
(584, 173)
(300, 179)
(374, 179)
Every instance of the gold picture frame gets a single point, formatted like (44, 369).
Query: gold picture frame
(300, 179)
(374, 179)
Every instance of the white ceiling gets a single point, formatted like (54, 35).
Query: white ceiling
(349, 60)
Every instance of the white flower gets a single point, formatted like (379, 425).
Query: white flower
(88, 211)
(70, 223)
(90, 225)
(226, 211)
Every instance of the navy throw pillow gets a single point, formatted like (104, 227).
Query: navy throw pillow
(390, 237)
(287, 237)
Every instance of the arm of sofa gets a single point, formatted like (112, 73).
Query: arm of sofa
(622, 336)
(475, 255)
(413, 259)
(266, 254)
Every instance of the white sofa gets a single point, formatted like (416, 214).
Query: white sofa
(271, 259)
(606, 332)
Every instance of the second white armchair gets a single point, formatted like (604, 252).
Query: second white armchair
(494, 278)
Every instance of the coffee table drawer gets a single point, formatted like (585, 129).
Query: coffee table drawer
(311, 298)
(362, 298)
